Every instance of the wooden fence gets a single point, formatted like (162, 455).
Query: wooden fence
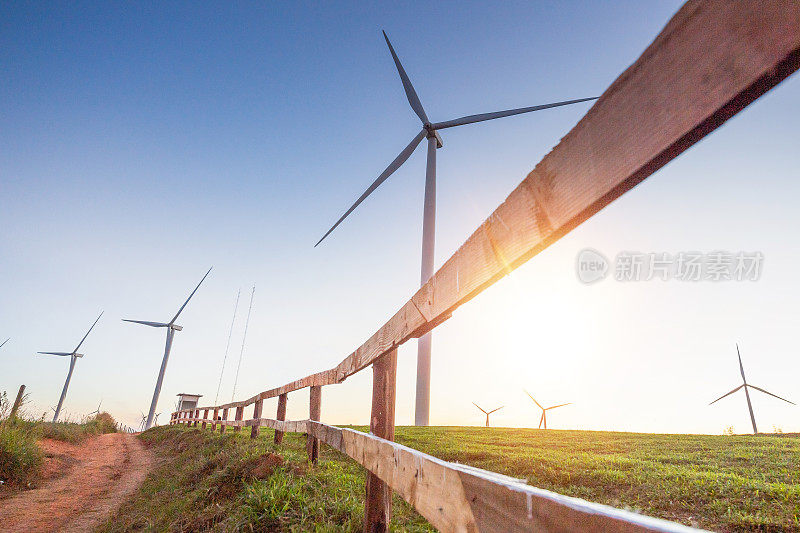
(711, 60)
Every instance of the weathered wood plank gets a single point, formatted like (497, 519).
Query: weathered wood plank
(314, 411)
(256, 414)
(455, 497)
(224, 419)
(378, 506)
(281, 415)
(711, 60)
(238, 417)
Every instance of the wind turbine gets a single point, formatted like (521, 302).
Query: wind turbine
(96, 411)
(745, 385)
(543, 420)
(171, 329)
(73, 355)
(430, 130)
(487, 413)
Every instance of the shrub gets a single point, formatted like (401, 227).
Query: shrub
(20, 457)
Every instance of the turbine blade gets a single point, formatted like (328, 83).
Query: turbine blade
(479, 407)
(534, 400)
(87, 333)
(394, 165)
(55, 353)
(727, 394)
(471, 119)
(741, 368)
(5, 341)
(767, 392)
(560, 405)
(189, 298)
(146, 323)
(493, 410)
(411, 94)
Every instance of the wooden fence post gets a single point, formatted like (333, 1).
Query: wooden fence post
(239, 416)
(205, 417)
(214, 422)
(224, 417)
(196, 415)
(315, 406)
(255, 430)
(378, 507)
(281, 416)
(17, 403)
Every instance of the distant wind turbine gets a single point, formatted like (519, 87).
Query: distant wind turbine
(96, 411)
(487, 413)
(430, 130)
(171, 329)
(746, 385)
(543, 420)
(73, 355)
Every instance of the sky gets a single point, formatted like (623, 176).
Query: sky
(142, 144)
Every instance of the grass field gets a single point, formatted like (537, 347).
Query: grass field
(726, 483)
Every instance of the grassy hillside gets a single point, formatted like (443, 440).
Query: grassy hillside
(205, 481)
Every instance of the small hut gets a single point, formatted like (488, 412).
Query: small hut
(187, 401)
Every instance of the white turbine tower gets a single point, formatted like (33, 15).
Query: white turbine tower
(745, 385)
(73, 356)
(430, 130)
(171, 329)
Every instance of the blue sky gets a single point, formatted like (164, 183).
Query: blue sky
(142, 144)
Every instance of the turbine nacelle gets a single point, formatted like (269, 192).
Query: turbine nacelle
(431, 132)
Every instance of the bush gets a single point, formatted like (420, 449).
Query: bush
(20, 457)
(74, 433)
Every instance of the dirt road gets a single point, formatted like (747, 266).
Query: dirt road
(84, 484)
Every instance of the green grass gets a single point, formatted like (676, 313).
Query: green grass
(730, 483)
(20, 458)
(727, 483)
(208, 482)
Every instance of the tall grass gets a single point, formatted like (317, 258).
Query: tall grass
(21, 459)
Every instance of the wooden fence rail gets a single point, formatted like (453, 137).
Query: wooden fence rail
(711, 60)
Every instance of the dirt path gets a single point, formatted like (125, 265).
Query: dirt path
(87, 482)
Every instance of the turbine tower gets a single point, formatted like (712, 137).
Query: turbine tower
(487, 413)
(73, 356)
(746, 385)
(171, 329)
(430, 130)
(543, 420)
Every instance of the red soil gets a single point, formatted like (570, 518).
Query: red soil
(83, 484)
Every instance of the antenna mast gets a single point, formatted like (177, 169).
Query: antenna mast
(227, 346)
(244, 337)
